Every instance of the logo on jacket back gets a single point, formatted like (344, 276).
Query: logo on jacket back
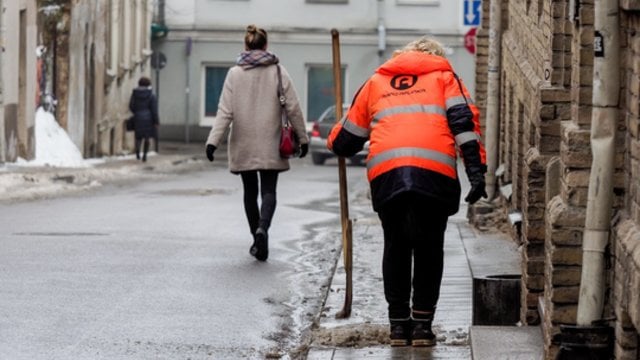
(403, 82)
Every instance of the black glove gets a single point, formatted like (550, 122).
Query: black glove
(304, 149)
(210, 150)
(477, 189)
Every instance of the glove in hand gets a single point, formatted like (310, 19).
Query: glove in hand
(210, 150)
(477, 189)
(304, 149)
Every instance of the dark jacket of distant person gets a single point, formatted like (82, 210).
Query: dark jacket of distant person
(144, 106)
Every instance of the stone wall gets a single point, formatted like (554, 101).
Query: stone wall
(626, 234)
(545, 153)
(534, 103)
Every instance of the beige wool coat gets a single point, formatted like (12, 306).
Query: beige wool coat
(249, 104)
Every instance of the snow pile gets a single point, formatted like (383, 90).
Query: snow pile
(53, 145)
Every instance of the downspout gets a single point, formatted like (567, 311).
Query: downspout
(606, 90)
(2, 135)
(187, 114)
(160, 13)
(493, 95)
(382, 32)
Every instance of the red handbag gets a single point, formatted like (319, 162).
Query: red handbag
(288, 140)
(288, 146)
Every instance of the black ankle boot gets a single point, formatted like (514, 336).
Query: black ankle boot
(421, 334)
(260, 248)
(399, 332)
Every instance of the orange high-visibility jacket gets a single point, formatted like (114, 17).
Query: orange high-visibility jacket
(414, 111)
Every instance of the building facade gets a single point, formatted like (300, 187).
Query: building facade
(99, 54)
(18, 65)
(205, 37)
(79, 59)
(545, 124)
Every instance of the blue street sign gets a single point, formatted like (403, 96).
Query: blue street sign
(471, 15)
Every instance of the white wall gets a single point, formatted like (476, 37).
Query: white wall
(436, 15)
(299, 33)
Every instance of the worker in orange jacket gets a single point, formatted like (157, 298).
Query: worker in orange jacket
(414, 111)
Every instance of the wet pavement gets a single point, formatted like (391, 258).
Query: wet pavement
(157, 266)
(365, 334)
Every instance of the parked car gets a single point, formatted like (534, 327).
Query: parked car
(320, 130)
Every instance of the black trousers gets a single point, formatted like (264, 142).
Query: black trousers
(259, 216)
(414, 227)
(145, 149)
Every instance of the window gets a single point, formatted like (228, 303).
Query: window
(114, 37)
(540, 9)
(124, 51)
(418, 2)
(134, 40)
(320, 90)
(327, 1)
(213, 80)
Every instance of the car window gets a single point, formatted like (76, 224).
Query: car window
(330, 115)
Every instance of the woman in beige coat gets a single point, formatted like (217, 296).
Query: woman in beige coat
(249, 104)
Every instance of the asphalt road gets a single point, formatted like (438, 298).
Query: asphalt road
(160, 269)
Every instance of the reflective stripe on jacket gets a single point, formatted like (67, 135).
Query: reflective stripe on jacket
(414, 111)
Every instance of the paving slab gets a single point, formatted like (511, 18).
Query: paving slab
(506, 342)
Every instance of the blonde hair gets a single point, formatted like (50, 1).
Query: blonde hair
(424, 44)
(255, 38)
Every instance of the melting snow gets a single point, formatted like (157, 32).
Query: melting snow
(53, 145)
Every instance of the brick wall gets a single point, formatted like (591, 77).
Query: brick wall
(545, 122)
(534, 103)
(482, 60)
(625, 305)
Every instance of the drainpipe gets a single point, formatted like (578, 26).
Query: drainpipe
(188, 46)
(160, 12)
(606, 90)
(493, 95)
(382, 32)
(2, 135)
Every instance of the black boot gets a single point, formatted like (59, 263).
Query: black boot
(260, 248)
(253, 250)
(421, 334)
(145, 150)
(399, 332)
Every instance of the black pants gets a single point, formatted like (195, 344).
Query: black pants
(259, 216)
(414, 227)
(145, 148)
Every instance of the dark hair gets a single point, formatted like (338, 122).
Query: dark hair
(255, 38)
(144, 81)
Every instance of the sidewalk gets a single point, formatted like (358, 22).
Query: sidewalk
(19, 182)
(365, 333)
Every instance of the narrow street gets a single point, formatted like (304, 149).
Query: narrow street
(160, 269)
